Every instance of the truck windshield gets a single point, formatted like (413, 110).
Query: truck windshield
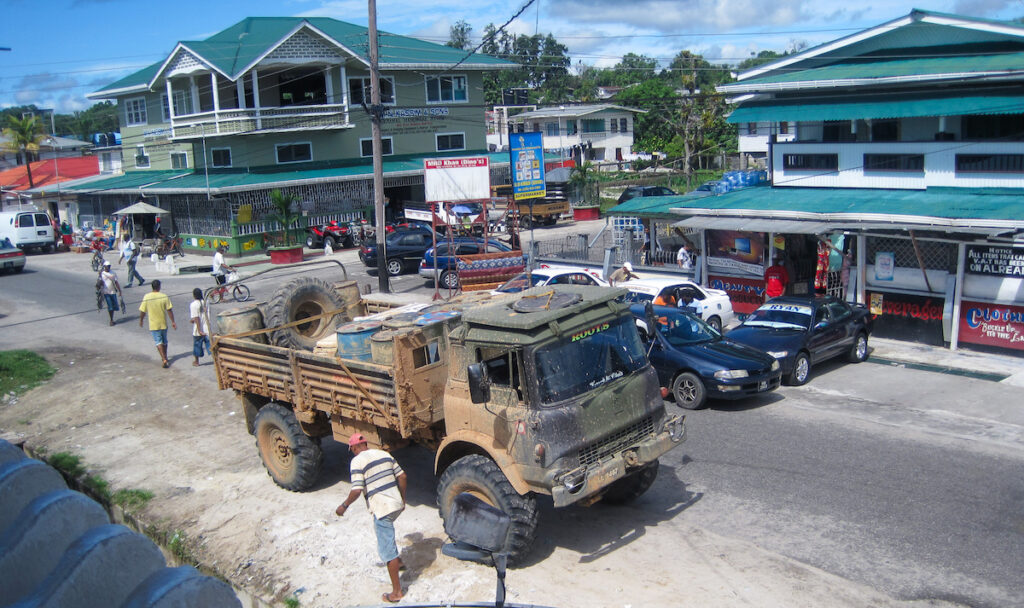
(587, 359)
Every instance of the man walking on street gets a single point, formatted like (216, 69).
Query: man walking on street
(379, 476)
(130, 252)
(157, 305)
(111, 290)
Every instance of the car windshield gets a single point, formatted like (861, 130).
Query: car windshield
(587, 359)
(467, 209)
(781, 316)
(521, 282)
(680, 329)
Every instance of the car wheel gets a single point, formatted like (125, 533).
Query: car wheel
(449, 280)
(688, 391)
(394, 267)
(310, 243)
(329, 240)
(716, 324)
(801, 370)
(859, 350)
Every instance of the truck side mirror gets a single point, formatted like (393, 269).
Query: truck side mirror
(479, 383)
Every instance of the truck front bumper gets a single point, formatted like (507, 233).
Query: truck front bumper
(584, 482)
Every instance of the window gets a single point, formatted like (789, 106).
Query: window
(426, 355)
(451, 141)
(447, 89)
(182, 102)
(990, 163)
(751, 128)
(614, 124)
(624, 125)
(135, 111)
(571, 128)
(893, 162)
(106, 162)
(166, 107)
(220, 157)
(179, 160)
(366, 146)
(551, 129)
(293, 153)
(783, 128)
(359, 91)
(301, 87)
(25, 220)
(810, 162)
(1004, 126)
(885, 130)
(837, 130)
(593, 125)
(141, 158)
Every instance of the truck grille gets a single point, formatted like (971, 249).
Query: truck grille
(615, 443)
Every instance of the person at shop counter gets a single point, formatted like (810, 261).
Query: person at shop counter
(776, 279)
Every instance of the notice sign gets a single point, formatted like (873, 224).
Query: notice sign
(456, 179)
(992, 325)
(996, 261)
(527, 163)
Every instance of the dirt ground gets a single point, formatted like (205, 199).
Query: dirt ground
(177, 436)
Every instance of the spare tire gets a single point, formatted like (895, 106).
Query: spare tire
(300, 299)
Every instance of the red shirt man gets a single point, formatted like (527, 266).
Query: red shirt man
(775, 279)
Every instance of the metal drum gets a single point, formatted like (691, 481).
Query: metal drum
(354, 339)
(241, 320)
(401, 321)
(382, 347)
(348, 291)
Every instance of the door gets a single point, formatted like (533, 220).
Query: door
(825, 336)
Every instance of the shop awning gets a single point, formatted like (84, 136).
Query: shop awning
(877, 107)
(753, 224)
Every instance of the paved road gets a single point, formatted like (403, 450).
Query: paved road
(894, 478)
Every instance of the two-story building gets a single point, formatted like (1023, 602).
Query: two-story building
(282, 102)
(905, 151)
(600, 133)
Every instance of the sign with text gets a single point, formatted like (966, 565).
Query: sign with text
(526, 155)
(746, 295)
(907, 317)
(992, 325)
(456, 179)
(996, 261)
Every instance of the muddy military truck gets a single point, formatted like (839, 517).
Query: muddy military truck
(545, 392)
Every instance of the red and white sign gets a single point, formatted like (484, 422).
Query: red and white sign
(992, 324)
(456, 179)
(746, 295)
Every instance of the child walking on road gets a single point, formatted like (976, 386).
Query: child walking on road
(158, 306)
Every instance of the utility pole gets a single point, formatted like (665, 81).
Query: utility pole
(378, 164)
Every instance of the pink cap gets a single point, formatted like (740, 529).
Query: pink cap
(355, 439)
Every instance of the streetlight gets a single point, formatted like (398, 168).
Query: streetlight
(56, 169)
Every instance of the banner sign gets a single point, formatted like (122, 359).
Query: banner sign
(885, 265)
(732, 250)
(992, 325)
(907, 317)
(996, 261)
(456, 179)
(526, 155)
(746, 295)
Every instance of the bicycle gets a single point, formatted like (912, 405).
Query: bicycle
(239, 292)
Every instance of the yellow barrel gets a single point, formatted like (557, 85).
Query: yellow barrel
(241, 320)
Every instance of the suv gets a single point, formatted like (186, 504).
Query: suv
(447, 258)
(636, 191)
(405, 248)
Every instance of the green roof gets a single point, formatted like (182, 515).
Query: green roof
(880, 106)
(653, 206)
(997, 204)
(234, 49)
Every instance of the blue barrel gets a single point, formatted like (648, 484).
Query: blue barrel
(354, 339)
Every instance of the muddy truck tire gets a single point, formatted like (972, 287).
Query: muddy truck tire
(630, 488)
(300, 299)
(292, 458)
(480, 476)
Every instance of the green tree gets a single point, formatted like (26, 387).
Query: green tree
(632, 69)
(23, 137)
(459, 35)
(755, 60)
(543, 66)
(583, 178)
(284, 213)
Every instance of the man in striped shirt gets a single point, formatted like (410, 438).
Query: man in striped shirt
(379, 477)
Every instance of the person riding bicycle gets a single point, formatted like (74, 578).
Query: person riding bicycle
(220, 268)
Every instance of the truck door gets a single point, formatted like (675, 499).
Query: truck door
(507, 404)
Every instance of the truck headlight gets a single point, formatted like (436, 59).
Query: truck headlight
(726, 374)
(775, 365)
(778, 354)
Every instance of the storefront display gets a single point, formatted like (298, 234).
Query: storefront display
(992, 325)
(737, 252)
(907, 317)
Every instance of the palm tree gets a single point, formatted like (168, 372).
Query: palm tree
(284, 213)
(581, 177)
(23, 137)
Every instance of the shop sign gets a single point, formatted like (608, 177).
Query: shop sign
(907, 317)
(992, 325)
(995, 261)
(746, 295)
(885, 265)
(732, 250)
(526, 155)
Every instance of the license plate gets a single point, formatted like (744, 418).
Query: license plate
(41, 232)
(762, 385)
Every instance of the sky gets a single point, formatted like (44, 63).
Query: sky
(63, 49)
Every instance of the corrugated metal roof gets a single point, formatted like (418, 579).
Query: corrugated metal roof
(903, 106)
(569, 111)
(654, 206)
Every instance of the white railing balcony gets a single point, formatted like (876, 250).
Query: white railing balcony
(260, 120)
(939, 167)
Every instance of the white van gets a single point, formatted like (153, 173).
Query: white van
(27, 229)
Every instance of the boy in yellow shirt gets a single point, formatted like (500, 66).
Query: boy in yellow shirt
(156, 304)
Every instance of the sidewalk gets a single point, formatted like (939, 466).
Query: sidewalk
(1001, 368)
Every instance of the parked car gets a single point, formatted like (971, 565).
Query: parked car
(405, 248)
(12, 259)
(551, 275)
(636, 191)
(447, 253)
(711, 305)
(27, 229)
(696, 362)
(803, 331)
